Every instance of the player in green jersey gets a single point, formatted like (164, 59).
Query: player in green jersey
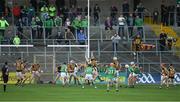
(89, 75)
(64, 74)
(111, 74)
(131, 71)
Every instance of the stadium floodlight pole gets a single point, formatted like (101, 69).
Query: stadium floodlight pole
(88, 49)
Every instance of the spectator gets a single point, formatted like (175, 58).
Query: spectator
(155, 16)
(72, 3)
(162, 41)
(164, 13)
(39, 27)
(7, 12)
(34, 28)
(19, 26)
(16, 12)
(97, 10)
(59, 37)
(140, 10)
(69, 36)
(125, 9)
(122, 22)
(76, 24)
(84, 24)
(52, 11)
(72, 13)
(82, 37)
(178, 14)
(42, 3)
(24, 15)
(60, 4)
(44, 13)
(34, 4)
(114, 12)
(171, 10)
(115, 40)
(2, 7)
(3, 25)
(108, 34)
(31, 13)
(79, 10)
(58, 21)
(67, 23)
(48, 24)
(139, 24)
(65, 13)
(130, 23)
(108, 23)
(16, 40)
(86, 11)
(137, 43)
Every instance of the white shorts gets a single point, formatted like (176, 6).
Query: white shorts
(19, 75)
(163, 77)
(63, 74)
(35, 73)
(58, 75)
(130, 75)
(73, 74)
(88, 77)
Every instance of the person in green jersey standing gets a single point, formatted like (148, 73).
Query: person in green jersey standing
(16, 40)
(64, 74)
(130, 72)
(137, 72)
(111, 74)
(89, 75)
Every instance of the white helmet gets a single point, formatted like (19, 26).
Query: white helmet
(114, 58)
(72, 61)
(126, 66)
(132, 63)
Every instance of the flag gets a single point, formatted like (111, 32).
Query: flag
(145, 47)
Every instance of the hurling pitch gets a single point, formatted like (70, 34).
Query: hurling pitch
(49, 93)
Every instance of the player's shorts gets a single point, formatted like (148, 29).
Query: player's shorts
(73, 74)
(88, 77)
(63, 74)
(164, 77)
(5, 78)
(58, 74)
(19, 75)
(171, 77)
(35, 73)
(130, 75)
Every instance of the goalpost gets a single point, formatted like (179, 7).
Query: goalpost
(87, 54)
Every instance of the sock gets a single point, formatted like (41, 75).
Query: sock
(4, 88)
(117, 86)
(108, 86)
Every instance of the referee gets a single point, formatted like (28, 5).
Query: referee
(5, 75)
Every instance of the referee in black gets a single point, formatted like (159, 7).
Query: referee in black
(5, 75)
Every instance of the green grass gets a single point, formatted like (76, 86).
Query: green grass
(73, 93)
